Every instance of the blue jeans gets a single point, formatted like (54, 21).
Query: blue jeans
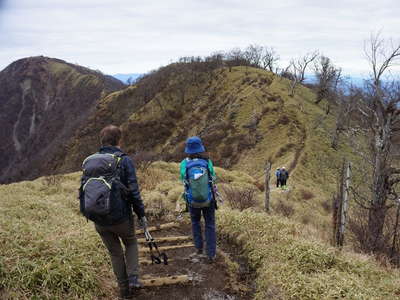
(210, 235)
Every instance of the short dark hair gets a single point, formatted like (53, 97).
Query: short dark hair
(110, 135)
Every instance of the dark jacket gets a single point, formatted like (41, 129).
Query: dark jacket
(284, 175)
(128, 178)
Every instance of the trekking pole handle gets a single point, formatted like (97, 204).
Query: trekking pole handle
(148, 235)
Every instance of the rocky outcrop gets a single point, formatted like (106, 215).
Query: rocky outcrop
(43, 101)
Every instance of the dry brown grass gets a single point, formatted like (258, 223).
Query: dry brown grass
(239, 198)
(306, 195)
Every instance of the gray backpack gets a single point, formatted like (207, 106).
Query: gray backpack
(102, 194)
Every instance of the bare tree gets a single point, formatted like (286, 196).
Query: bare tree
(328, 77)
(347, 106)
(340, 206)
(297, 69)
(269, 59)
(381, 116)
(253, 54)
(267, 188)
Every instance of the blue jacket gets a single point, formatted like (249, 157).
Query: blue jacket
(278, 173)
(129, 179)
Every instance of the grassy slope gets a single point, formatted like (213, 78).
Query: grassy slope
(287, 134)
(222, 108)
(49, 251)
(291, 266)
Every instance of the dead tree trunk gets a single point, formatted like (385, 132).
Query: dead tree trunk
(381, 184)
(394, 242)
(292, 87)
(341, 205)
(335, 213)
(267, 189)
(345, 203)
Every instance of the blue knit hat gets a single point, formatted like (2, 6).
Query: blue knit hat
(194, 145)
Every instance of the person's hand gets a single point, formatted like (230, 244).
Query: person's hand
(143, 222)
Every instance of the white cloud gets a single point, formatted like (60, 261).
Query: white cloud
(124, 36)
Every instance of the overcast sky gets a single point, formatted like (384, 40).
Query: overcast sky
(129, 36)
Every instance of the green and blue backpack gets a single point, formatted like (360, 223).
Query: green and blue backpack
(198, 182)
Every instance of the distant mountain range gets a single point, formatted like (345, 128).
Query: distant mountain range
(310, 78)
(127, 77)
(357, 81)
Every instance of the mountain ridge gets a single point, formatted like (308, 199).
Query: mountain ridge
(42, 102)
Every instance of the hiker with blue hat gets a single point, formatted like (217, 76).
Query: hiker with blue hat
(198, 175)
(284, 176)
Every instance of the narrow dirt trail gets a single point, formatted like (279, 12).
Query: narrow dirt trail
(185, 277)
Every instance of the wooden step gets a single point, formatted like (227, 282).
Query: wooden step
(147, 262)
(169, 280)
(166, 248)
(168, 239)
(159, 227)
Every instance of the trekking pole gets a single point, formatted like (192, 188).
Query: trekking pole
(180, 216)
(160, 257)
(216, 193)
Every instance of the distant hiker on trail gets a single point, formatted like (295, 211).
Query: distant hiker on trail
(284, 176)
(197, 173)
(278, 174)
(109, 190)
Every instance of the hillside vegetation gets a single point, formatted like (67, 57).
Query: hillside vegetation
(47, 248)
(245, 117)
(49, 251)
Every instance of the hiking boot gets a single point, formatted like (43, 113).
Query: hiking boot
(211, 259)
(134, 283)
(198, 253)
(124, 292)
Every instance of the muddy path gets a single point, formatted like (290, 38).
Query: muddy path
(198, 279)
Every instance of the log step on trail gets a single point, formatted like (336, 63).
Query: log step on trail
(168, 239)
(147, 262)
(166, 248)
(160, 281)
(159, 227)
(176, 242)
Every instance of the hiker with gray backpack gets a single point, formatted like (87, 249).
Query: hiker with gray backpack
(198, 175)
(283, 177)
(108, 193)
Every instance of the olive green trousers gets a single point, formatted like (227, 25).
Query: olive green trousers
(124, 263)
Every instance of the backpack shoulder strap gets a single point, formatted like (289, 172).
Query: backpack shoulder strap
(211, 171)
(119, 155)
(88, 157)
(183, 169)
